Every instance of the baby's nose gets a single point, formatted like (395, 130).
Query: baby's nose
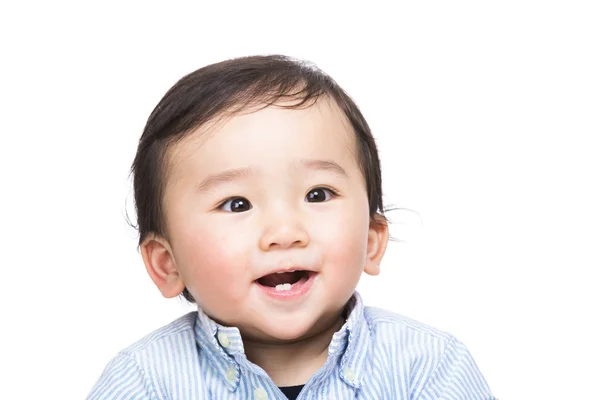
(284, 235)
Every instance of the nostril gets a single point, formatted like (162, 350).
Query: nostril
(286, 244)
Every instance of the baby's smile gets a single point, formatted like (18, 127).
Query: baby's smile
(287, 284)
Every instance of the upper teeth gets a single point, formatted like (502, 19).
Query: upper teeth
(283, 272)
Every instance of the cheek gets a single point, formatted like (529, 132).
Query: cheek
(213, 264)
(344, 238)
(348, 255)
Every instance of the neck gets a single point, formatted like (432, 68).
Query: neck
(293, 363)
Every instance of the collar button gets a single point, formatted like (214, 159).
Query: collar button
(231, 374)
(260, 394)
(223, 339)
(349, 374)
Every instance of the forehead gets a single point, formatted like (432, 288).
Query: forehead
(270, 137)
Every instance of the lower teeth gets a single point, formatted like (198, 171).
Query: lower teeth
(283, 287)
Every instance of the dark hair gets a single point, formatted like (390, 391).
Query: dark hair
(227, 88)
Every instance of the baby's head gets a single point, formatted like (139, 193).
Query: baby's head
(258, 194)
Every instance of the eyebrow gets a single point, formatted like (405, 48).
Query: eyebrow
(223, 177)
(324, 165)
(236, 174)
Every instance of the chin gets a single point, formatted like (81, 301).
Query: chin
(288, 329)
(289, 332)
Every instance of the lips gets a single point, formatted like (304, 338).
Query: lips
(282, 278)
(286, 284)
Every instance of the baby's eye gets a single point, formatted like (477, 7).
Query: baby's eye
(236, 205)
(320, 194)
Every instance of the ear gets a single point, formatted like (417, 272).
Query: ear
(376, 244)
(161, 266)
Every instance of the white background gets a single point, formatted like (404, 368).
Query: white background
(487, 115)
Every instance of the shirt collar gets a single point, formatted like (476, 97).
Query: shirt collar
(352, 343)
(348, 346)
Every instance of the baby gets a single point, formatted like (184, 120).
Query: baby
(258, 195)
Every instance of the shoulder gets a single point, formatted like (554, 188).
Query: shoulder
(139, 370)
(433, 361)
(396, 326)
(168, 335)
(403, 339)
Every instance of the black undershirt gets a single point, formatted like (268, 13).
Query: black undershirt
(291, 392)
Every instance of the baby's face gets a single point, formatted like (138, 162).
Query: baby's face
(264, 193)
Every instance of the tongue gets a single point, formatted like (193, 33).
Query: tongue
(273, 280)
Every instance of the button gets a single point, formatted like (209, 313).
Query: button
(260, 394)
(231, 374)
(349, 374)
(223, 339)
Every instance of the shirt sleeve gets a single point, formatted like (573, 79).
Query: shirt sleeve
(123, 379)
(456, 377)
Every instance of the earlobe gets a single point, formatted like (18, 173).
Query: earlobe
(376, 245)
(161, 267)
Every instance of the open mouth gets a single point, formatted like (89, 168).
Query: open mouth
(282, 281)
(287, 285)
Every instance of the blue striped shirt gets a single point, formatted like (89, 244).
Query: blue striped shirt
(376, 355)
